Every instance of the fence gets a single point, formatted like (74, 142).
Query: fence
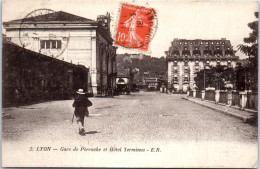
(252, 100)
(236, 99)
(245, 99)
(223, 97)
(210, 95)
(198, 94)
(191, 94)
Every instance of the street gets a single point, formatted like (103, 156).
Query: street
(182, 133)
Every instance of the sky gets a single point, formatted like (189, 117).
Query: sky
(176, 19)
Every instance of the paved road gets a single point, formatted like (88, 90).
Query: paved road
(186, 134)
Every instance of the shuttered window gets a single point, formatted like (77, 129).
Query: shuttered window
(50, 44)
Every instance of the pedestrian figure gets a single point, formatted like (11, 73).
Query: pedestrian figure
(81, 105)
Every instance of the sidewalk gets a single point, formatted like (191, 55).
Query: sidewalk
(246, 116)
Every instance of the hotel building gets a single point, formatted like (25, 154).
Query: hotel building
(186, 57)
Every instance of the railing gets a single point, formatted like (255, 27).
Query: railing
(243, 100)
(198, 94)
(235, 99)
(252, 100)
(210, 95)
(191, 94)
(223, 97)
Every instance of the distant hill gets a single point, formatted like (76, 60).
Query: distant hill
(139, 63)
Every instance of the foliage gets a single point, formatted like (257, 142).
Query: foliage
(156, 67)
(250, 70)
(216, 77)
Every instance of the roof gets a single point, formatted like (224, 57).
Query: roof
(10, 47)
(59, 16)
(222, 39)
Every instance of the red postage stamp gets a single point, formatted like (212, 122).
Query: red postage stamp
(135, 26)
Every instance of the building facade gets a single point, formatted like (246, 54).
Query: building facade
(70, 38)
(186, 57)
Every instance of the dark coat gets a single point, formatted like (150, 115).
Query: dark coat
(80, 104)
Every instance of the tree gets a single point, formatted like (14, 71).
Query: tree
(251, 50)
(216, 77)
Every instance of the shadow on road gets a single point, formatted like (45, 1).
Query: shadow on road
(91, 132)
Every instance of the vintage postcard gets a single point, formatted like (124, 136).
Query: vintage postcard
(111, 83)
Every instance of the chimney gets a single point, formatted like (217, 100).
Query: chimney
(104, 20)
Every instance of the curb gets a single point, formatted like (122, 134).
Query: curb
(245, 119)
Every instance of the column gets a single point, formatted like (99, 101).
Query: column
(194, 93)
(243, 99)
(202, 94)
(93, 69)
(217, 95)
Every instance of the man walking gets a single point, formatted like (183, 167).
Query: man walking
(81, 105)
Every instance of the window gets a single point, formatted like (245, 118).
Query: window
(185, 63)
(50, 44)
(201, 43)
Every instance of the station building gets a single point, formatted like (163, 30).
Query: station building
(72, 39)
(186, 57)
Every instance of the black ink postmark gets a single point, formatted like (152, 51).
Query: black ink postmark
(38, 33)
